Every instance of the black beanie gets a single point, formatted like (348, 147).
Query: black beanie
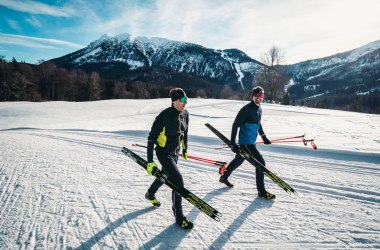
(176, 94)
(257, 90)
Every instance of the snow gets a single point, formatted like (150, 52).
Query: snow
(64, 183)
(366, 49)
(235, 65)
(88, 56)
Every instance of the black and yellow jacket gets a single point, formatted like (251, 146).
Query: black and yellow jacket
(169, 132)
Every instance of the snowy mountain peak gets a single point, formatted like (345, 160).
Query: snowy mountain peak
(231, 66)
(352, 72)
(364, 50)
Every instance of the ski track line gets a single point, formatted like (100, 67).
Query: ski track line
(104, 219)
(13, 190)
(312, 187)
(11, 186)
(301, 184)
(334, 193)
(327, 165)
(192, 167)
(106, 146)
(132, 226)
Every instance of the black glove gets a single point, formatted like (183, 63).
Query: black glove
(184, 154)
(235, 148)
(265, 139)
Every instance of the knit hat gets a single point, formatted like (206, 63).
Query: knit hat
(176, 94)
(257, 90)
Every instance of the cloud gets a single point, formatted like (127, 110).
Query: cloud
(14, 25)
(303, 29)
(36, 42)
(33, 7)
(34, 22)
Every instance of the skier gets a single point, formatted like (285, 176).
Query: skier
(169, 130)
(248, 120)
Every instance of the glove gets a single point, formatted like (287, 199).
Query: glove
(184, 154)
(265, 139)
(151, 168)
(235, 148)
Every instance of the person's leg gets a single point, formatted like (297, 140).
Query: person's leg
(259, 174)
(169, 166)
(234, 164)
(169, 163)
(155, 186)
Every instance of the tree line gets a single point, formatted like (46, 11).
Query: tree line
(20, 81)
(45, 81)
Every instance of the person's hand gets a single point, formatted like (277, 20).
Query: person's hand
(235, 148)
(151, 168)
(266, 140)
(184, 154)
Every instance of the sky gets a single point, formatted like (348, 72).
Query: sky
(31, 31)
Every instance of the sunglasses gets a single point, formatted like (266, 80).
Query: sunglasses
(259, 95)
(183, 99)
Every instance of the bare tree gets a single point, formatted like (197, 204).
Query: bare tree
(271, 76)
(95, 88)
(47, 70)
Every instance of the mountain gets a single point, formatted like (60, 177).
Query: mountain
(353, 72)
(132, 58)
(341, 81)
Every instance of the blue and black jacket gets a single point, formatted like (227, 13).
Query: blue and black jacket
(169, 132)
(249, 121)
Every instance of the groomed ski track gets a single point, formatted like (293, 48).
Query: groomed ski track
(74, 189)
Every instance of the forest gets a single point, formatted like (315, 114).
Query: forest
(20, 81)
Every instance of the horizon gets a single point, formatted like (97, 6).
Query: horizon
(34, 30)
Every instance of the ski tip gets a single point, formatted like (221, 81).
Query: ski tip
(216, 218)
(291, 192)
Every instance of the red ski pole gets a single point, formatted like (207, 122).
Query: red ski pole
(212, 162)
(288, 138)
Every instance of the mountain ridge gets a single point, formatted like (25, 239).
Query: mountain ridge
(230, 66)
(124, 55)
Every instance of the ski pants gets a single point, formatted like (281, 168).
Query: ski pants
(238, 160)
(170, 169)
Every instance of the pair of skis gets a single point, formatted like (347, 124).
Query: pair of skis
(182, 191)
(251, 159)
(195, 200)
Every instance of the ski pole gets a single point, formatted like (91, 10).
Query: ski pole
(218, 163)
(304, 141)
(292, 137)
(212, 162)
(273, 141)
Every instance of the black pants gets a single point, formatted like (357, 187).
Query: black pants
(170, 169)
(238, 160)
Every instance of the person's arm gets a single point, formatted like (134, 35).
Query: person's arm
(185, 139)
(240, 119)
(263, 136)
(261, 130)
(153, 135)
(185, 134)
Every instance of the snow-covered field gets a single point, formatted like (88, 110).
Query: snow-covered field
(64, 183)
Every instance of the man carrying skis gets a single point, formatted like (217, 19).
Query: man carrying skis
(169, 130)
(248, 120)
